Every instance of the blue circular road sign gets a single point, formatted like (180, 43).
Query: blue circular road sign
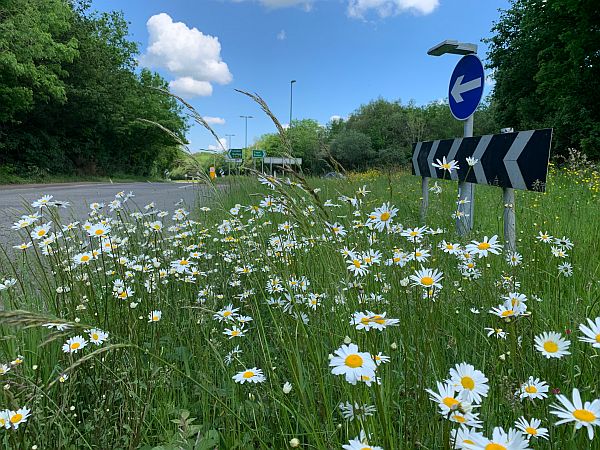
(466, 87)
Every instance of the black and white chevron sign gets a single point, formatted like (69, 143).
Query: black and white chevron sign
(512, 160)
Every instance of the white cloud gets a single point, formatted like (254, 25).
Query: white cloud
(193, 57)
(386, 8)
(281, 35)
(217, 147)
(214, 120)
(188, 87)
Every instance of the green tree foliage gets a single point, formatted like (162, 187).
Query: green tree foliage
(306, 138)
(378, 134)
(352, 149)
(546, 57)
(80, 113)
(34, 45)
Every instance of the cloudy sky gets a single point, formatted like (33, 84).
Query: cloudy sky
(343, 53)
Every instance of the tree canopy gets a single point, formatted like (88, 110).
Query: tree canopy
(546, 60)
(379, 133)
(71, 95)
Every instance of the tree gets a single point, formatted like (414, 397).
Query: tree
(34, 45)
(546, 61)
(85, 105)
(352, 149)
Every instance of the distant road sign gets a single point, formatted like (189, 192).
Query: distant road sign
(466, 87)
(510, 160)
(259, 154)
(234, 160)
(235, 153)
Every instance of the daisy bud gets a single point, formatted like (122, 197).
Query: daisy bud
(394, 346)
(347, 340)
(287, 387)
(295, 443)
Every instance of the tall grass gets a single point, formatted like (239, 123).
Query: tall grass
(167, 384)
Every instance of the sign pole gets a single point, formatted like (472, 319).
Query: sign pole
(464, 219)
(424, 198)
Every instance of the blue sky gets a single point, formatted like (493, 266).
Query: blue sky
(343, 53)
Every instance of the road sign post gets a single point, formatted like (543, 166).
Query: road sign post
(464, 94)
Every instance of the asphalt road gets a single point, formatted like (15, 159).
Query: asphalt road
(80, 195)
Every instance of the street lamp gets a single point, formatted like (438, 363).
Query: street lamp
(291, 99)
(229, 136)
(246, 120)
(466, 191)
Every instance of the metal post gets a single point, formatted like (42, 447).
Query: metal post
(291, 99)
(424, 198)
(466, 190)
(510, 234)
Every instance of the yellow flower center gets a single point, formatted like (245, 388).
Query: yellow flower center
(99, 232)
(248, 374)
(75, 345)
(508, 312)
(450, 402)
(353, 361)
(41, 232)
(417, 254)
(123, 294)
(356, 263)
(598, 338)
(493, 446)
(16, 418)
(378, 319)
(550, 346)
(584, 415)
(95, 336)
(184, 262)
(385, 216)
(483, 246)
(467, 383)
(427, 281)
(449, 246)
(530, 430)
(459, 419)
(155, 318)
(531, 389)
(226, 313)
(235, 333)
(85, 258)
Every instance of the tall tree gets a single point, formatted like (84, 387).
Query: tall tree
(546, 60)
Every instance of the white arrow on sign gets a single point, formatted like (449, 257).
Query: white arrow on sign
(459, 88)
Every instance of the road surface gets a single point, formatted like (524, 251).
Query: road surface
(80, 195)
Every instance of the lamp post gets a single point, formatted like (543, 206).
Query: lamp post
(466, 191)
(246, 120)
(291, 99)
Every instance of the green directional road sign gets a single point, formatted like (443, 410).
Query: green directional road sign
(235, 153)
(259, 154)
